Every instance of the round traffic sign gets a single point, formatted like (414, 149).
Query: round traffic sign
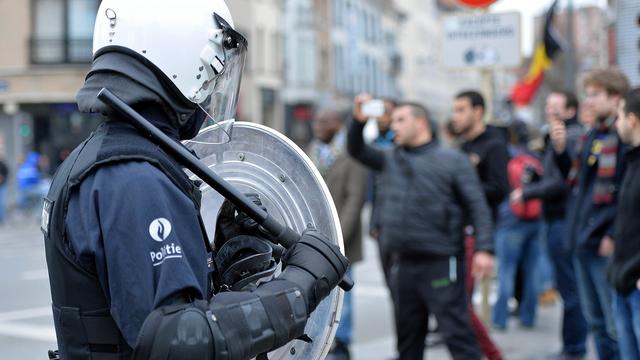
(476, 3)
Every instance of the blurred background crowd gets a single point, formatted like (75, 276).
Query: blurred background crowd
(522, 95)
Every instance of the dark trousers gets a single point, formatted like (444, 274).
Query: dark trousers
(432, 286)
(574, 326)
(385, 261)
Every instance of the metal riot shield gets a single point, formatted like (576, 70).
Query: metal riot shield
(263, 161)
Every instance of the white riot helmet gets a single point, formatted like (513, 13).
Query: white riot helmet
(191, 42)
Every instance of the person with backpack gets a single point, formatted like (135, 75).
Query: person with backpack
(553, 190)
(517, 230)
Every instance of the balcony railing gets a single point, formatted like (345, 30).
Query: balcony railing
(60, 51)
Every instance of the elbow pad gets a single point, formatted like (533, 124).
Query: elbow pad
(233, 326)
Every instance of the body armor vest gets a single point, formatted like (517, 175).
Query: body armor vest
(84, 326)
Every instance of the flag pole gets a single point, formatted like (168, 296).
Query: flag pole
(570, 64)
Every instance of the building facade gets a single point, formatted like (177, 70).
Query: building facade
(335, 49)
(627, 29)
(260, 21)
(47, 51)
(424, 76)
(46, 54)
(591, 43)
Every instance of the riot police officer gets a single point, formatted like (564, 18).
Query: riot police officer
(126, 248)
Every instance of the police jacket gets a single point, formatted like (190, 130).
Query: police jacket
(425, 195)
(123, 236)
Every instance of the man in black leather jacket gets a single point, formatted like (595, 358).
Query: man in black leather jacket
(425, 192)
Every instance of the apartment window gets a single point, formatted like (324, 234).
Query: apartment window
(305, 74)
(362, 24)
(337, 13)
(366, 70)
(365, 25)
(277, 52)
(62, 31)
(259, 59)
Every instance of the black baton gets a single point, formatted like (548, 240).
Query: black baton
(282, 233)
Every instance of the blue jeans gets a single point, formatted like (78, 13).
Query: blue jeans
(595, 298)
(574, 326)
(626, 310)
(517, 243)
(344, 332)
(546, 271)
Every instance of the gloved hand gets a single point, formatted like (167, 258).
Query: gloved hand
(316, 265)
(243, 262)
(231, 222)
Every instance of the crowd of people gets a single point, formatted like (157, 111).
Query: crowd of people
(542, 208)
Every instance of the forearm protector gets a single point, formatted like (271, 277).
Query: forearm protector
(233, 326)
(246, 324)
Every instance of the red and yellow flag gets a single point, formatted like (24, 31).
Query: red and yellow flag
(523, 92)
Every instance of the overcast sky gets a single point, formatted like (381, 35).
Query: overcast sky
(530, 8)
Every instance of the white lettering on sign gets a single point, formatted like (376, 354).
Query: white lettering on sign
(481, 40)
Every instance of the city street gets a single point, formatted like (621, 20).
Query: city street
(26, 328)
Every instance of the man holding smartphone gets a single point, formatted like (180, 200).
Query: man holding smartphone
(424, 191)
(594, 168)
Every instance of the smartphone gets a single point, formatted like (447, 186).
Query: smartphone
(373, 108)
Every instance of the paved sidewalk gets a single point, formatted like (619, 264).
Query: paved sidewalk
(26, 329)
(373, 332)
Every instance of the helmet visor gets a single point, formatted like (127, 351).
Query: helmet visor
(220, 107)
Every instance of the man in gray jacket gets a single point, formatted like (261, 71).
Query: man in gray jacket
(426, 192)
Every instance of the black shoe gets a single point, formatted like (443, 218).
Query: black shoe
(339, 351)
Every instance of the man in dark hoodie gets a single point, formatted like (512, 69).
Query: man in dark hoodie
(624, 269)
(487, 150)
(594, 170)
(125, 244)
(552, 189)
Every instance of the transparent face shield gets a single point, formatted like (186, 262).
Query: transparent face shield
(220, 106)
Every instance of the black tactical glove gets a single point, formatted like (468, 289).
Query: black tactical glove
(316, 265)
(231, 222)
